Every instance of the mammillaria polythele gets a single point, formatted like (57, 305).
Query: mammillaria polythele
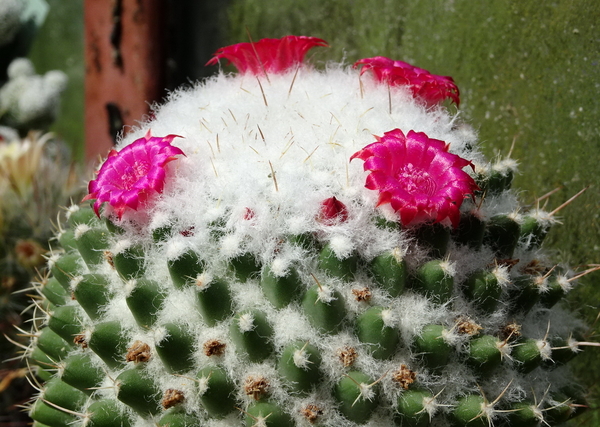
(322, 248)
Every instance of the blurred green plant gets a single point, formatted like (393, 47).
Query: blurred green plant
(528, 72)
(36, 176)
(59, 45)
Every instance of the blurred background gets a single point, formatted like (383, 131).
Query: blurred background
(528, 71)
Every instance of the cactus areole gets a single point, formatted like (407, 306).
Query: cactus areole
(314, 247)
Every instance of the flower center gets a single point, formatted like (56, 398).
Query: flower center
(133, 173)
(416, 180)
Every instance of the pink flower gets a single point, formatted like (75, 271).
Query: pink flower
(417, 176)
(332, 212)
(268, 55)
(129, 176)
(429, 87)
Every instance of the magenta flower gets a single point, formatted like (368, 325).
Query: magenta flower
(429, 87)
(268, 55)
(129, 176)
(417, 176)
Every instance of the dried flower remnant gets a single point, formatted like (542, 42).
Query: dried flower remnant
(431, 88)
(417, 176)
(172, 397)
(510, 332)
(128, 177)
(214, 348)
(347, 356)
(535, 266)
(465, 326)
(80, 341)
(404, 376)
(509, 263)
(268, 55)
(362, 294)
(109, 257)
(139, 352)
(311, 413)
(256, 386)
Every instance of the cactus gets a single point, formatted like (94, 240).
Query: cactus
(270, 262)
(30, 101)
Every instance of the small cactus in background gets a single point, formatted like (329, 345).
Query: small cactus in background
(292, 247)
(27, 101)
(30, 101)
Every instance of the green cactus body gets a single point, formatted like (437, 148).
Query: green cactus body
(299, 366)
(139, 391)
(357, 396)
(483, 288)
(324, 308)
(214, 301)
(216, 391)
(53, 345)
(91, 243)
(129, 262)
(107, 413)
(280, 290)
(382, 339)
(486, 353)
(65, 268)
(469, 412)
(281, 267)
(63, 395)
(470, 231)
(529, 354)
(50, 415)
(432, 347)
(435, 238)
(145, 300)
(267, 414)
(389, 271)
(176, 418)
(175, 347)
(54, 292)
(79, 371)
(185, 268)
(344, 268)
(244, 266)
(435, 280)
(108, 341)
(92, 293)
(502, 234)
(63, 321)
(412, 408)
(524, 414)
(252, 333)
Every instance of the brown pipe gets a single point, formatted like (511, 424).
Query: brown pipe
(124, 67)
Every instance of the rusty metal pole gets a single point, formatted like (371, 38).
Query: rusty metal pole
(125, 67)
